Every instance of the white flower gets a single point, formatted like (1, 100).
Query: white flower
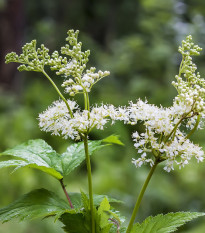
(57, 120)
(83, 82)
(155, 118)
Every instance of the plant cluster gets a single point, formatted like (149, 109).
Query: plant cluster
(166, 139)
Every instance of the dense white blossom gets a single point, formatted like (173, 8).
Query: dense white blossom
(177, 151)
(163, 140)
(57, 119)
(162, 137)
(154, 118)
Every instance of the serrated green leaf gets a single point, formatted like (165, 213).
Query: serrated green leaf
(74, 223)
(75, 155)
(107, 220)
(36, 154)
(85, 201)
(103, 215)
(39, 203)
(13, 163)
(79, 199)
(39, 155)
(165, 223)
(82, 211)
(114, 139)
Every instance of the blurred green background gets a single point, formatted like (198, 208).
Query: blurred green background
(137, 41)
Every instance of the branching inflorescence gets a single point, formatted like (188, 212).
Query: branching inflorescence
(166, 137)
(162, 137)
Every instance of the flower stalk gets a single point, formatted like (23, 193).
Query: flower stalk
(88, 164)
(59, 92)
(138, 202)
(195, 127)
(66, 193)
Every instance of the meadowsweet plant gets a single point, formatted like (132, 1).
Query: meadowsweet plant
(166, 140)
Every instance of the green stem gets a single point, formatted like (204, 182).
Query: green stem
(60, 94)
(88, 102)
(195, 127)
(134, 213)
(85, 140)
(85, 101)
(176, 126)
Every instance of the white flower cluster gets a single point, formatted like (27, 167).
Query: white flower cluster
(179, 150)
(85, 83)
(162, 136)
(155, 118)
(57, 120)
(162, 139)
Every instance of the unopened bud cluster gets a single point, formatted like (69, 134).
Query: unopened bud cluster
(32, 59)
(72, 66)
(77, 78)
(190, 86)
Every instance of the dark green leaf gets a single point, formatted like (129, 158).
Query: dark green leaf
(74, 223)
(80, 221)
(165, 223)
(39, 203)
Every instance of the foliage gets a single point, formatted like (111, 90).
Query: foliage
(38, 154)
(80, 222)
(15, 161)
(38, 203)
(165, 223)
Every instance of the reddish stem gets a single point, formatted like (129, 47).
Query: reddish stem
(66, 193)
(116, 223)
